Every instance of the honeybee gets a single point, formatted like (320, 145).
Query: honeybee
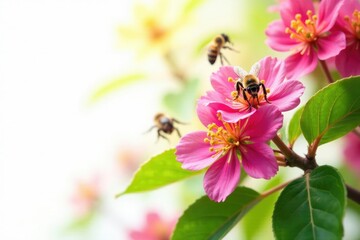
(215, 47)
(249, 83)
(165, 124)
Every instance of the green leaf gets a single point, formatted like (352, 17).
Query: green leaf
(206, 219)
(182, 103)
(159, 171)
(311, 207)
(332, 112)
(294, 130)
(115, 84)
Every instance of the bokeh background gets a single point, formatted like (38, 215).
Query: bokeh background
(80, 83)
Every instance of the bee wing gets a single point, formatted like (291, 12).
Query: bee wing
(240, 72)
(255, 69)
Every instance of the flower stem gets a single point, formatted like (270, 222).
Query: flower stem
(174, 68)
(353, 194)
(275, 189)
(326, 71)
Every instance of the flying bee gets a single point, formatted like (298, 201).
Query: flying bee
(249, 83)
(215, 47)
(165, 124)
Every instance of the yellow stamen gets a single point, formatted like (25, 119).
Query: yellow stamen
(303, 31)
(354, 23)
(223, 138)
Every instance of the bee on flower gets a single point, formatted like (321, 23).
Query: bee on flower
(238, 94)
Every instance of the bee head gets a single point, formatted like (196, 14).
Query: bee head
(226, 37)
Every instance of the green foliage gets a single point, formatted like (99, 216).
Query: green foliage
(206, 219)
(311, 207)
(178, 103)
(81, 222)
(294, 130)
(260, 216)
(116, 84)
(190, 6)
(332, 112)
(159, 171)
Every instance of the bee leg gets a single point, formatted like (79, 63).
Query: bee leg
(160, 135)
(257, 98)
(246, 99)
(221, 58)
(178, 132)
(150, 129)
(264, 90)
(227, 61)
(230, 48)
(177, 121)
(238, 87)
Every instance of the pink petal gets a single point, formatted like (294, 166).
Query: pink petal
(206, 115)
(352, 152)
(287, 95)
(259, 161)
(331, 45)
(328, 12)
(235, 115)
(272, 70)
(347, 62)
(193, 152)
(298, 65)
(213, 96)
(263, 125)
(220, 83)
(222, 177)
(277, 38)
(292, 7)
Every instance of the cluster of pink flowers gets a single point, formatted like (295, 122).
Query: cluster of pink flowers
(317, 32)
(238, 130)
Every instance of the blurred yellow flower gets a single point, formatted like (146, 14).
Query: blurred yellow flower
(153, 27)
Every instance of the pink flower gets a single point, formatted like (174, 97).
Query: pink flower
(281, 92)
(155, 228)
(87, 196)
(224, 147)
(348, 60)
(308, 35)
(352, 152)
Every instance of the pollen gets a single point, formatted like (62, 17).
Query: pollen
(223, 138)
(303, 30)
(354, 23)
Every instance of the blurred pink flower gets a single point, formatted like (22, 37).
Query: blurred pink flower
(307, 33)
(281, 92)
(352, 152)
(86, 196)
(348, 60)
(155, 228)
(224, 147)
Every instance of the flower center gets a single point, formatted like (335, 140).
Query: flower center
(222, 139)
(354, 23)
(303, 31)
(238, 98)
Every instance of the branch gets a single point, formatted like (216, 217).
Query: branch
(292, 158)
(353, 194)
